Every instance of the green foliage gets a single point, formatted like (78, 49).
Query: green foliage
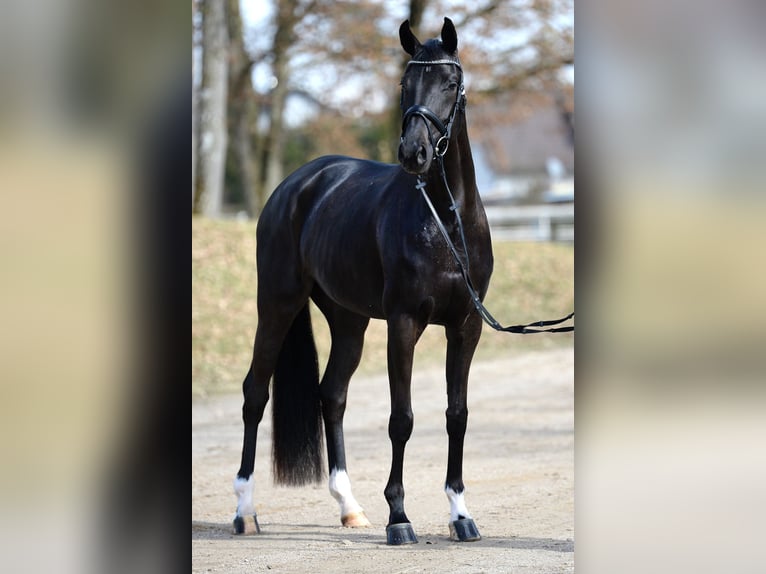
(234, 192)
(531, 281)
(300, 148)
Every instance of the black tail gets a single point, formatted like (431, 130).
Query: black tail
(296, 409)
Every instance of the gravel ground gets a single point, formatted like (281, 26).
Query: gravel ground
(518, 471)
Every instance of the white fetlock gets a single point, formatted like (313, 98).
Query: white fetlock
(243, 488)
(457, 508)
(245, 521)
(351, 513)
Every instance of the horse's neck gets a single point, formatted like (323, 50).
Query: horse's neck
(461, 176)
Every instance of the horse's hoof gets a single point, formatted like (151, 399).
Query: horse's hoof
(464, 530)
(246, 524)
(398, 534)
(355, 520)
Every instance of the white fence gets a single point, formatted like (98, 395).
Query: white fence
(553, 222)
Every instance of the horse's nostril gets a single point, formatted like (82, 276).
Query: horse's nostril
(422, 156)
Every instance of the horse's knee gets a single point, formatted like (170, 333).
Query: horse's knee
(457, 422)
(400, 426)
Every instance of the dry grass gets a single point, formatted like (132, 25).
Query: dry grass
(531, 281)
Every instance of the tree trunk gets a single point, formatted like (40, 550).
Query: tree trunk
(208, 191)
(196, 64)
(241, 111)
(195, 140)
(394, 124)
(417, 7)
(275, 144)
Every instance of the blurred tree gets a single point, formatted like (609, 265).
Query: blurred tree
(288, 14)
(242, 167)
(211, 109)
(344, 58)
(391, 129)
(196, 43)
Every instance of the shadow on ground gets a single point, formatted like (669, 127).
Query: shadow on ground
(319, 533)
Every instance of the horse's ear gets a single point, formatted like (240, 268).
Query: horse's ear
(409, 42)
(449, 36)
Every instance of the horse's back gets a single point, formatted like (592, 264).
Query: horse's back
(323, 220)
(333, 175)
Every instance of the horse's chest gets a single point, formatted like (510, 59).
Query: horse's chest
(438, 254)
(434, 272)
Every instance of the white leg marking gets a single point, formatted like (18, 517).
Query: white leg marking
(456, 504)
(244, 491)
(340, 488)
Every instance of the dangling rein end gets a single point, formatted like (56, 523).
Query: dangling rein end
(527, 329)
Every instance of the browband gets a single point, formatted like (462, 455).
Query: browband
(431, 62)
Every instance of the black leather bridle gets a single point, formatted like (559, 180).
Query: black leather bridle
(440, 148)
(445, 129)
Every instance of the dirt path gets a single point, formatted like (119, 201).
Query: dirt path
(519, 476)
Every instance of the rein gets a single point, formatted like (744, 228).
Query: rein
(440, 149)
(482, 310)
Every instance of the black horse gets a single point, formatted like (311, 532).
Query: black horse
(358, 238)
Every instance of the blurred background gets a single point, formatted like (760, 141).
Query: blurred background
(670, 393)
(279, 83)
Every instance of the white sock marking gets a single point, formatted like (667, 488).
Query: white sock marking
(456, 504)
(340, 488)
(244, 491)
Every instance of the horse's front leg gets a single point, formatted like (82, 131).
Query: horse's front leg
(403, 332)
(461, 344)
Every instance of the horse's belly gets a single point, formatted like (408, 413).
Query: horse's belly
(356, 302)
(352, 279)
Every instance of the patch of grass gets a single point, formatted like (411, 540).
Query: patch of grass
(531, 281)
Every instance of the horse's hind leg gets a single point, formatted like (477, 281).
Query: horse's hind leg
(347, 330)
(274, 321)
(256, 397)
(461, 344)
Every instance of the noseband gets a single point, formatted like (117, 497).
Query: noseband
(445, 130)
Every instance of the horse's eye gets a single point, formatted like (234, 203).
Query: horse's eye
(452, 86)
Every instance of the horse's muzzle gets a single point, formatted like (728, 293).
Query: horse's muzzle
(414, 155)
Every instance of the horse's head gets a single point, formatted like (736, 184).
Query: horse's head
(432, 94)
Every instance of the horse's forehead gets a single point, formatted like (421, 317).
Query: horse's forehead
(425, 71)
(433, 49)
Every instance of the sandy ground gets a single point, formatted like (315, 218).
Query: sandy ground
(518, 471)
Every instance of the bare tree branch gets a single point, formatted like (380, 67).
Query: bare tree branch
(480, 12)
(539, 68)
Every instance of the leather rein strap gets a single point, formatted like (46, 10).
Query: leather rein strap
(440, 149)
(535, 327)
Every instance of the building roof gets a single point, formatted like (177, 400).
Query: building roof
(519, 134)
